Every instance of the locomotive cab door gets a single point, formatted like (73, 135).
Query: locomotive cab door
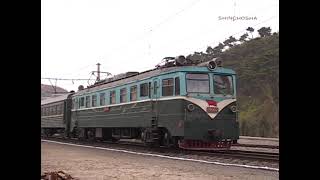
(156, 89)
(155, 96)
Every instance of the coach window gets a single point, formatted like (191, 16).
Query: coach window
(94, 100)
(144, 90)
(177, 86)
(102, 99)
(167, 87)
(112, 97)
(133, 93)
(123, 95)
(87, 101)
(59, 109)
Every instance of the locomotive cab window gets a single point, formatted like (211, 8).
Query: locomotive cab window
(112, 97)
(123, 95)
(133, 93)
(144, 90)
(167, 87)
(222, 84)
(197, 83)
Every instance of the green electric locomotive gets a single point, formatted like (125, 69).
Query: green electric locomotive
(178, 104)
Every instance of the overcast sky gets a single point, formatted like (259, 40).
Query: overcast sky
(126, 35)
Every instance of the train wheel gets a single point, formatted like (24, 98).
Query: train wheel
(166, 139)
(113, 139)
(175, 142)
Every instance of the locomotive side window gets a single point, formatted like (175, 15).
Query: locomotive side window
(144, 90)
(74, 104)
(94, 100)
(102, 99)
(198, 83)
(155, 87)
(177, 86)
(222, 84)
(149, 89)
(112, 97)
(87, 101)
(133, 93)
(81, 102)
(167, 87)
(123, 95)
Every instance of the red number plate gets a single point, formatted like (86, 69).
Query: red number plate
(212, 109)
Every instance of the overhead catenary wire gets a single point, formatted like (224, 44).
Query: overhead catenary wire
(67, 79)
(153, 28)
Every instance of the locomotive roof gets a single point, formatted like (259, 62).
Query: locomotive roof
(151, 73)
(55, 99)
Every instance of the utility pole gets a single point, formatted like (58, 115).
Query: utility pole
(98, 72)
(98, 77)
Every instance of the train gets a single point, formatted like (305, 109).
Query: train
(178, 104)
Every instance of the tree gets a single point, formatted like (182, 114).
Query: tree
(250, 29)
(209, 50)
(232, 40)
(229, 42)
(243, 37)
(264, 32)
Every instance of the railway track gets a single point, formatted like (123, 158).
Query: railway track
(238, 154)
(253, 155)
(257, 146)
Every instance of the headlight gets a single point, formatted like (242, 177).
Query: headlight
(233, 108)
(190, 107)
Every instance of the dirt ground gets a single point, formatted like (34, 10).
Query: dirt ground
(85, 163)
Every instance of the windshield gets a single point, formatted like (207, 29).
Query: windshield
(223, 84)
(197, 83)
